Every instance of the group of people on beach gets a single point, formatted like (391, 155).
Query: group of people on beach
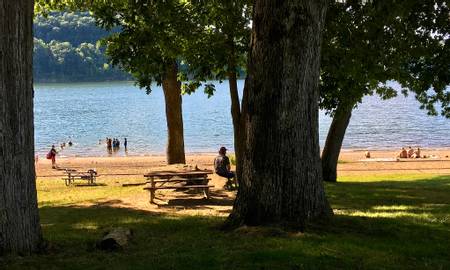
(410, 153)
(63, 144)
(113, 144)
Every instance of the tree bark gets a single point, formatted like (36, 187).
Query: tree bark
(282, 175)
(174, 115)
(236, 116)
(333, 144)
(20, 231)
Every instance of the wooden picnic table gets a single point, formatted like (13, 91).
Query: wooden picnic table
(71, 174)
(184, 174)
(197, 179)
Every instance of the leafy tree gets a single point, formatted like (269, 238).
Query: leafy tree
(281, 180)
(153, 42)
(226, 33)
(215, 48)
(20, 231)
(367, 44)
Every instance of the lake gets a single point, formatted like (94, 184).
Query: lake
(88, 112)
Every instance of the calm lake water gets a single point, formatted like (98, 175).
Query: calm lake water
(87, 112)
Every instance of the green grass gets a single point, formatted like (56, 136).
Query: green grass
(381, 222)
(52, 192)
(232, 158)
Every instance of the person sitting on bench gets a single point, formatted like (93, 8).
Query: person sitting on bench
(222, 167)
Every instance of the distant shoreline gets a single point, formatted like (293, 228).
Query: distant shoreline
(389, 152)
(80, 82)
(352, 163)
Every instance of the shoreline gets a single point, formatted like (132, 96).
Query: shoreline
(350, 162)
(208, 153)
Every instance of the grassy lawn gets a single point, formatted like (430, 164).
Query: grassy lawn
(381, 222)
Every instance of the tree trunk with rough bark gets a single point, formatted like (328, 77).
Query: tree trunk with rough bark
(20, 232)
(236, 116)
(333, 144)
(282, 175)
(174, 115)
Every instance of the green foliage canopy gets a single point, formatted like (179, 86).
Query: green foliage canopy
(366, 45)
(153, 36)
(199, 35)
(226, 27)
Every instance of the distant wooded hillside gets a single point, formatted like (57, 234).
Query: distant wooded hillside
(66, 50)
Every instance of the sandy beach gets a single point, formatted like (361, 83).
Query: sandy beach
(351, 162)
(115, 171)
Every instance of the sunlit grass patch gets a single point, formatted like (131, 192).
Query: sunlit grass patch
(382, 214)
(55, 192)
(85, 225)
(232, 158)
(393, 207)
(384, 177)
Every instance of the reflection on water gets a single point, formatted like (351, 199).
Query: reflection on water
(88, 113)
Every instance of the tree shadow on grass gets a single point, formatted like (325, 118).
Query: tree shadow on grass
(186, 201)
(194, 242)
(189, 203)
(389, 225)
(160, 242)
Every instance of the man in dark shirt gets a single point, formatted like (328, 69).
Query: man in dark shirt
(222, 167)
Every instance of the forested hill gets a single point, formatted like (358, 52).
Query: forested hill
(65, 50)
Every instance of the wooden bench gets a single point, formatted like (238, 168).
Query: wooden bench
(71, 175)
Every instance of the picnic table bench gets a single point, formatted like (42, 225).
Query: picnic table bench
(71, 175)
(191, 179)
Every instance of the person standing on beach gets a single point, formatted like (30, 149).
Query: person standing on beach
(52, 155)
(125, 143)
(109, 145)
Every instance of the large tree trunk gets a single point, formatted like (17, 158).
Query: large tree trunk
(333, 144)
(236, 116)
(174, 115)
(19, 217)
(282, 175)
